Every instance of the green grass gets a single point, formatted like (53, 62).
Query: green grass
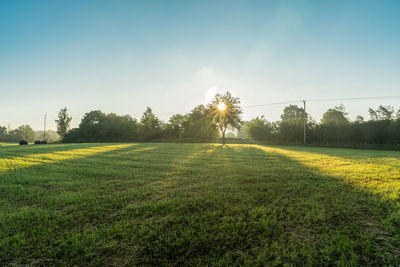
(7, 144)
(198, 204)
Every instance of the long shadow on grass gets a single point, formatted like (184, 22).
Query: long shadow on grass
(195, 205)
(252, 207)
(351, 215)
(346, 153)
(70, 169)
(374, 173)
(55, 202)
(55, 198)
(12, 151)
(17, 162)
(377, 157)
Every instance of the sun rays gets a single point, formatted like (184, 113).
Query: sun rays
(221, 106)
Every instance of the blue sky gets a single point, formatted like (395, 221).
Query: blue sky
(122, 56)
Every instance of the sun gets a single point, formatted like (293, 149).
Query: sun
(221, 106)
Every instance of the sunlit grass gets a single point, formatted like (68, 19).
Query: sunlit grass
(14, 163)
(379, 174)
(198, 204)
(7, 144)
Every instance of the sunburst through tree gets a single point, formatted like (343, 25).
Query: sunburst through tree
(225, 112)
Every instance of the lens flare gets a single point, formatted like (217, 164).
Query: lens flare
(221, 106)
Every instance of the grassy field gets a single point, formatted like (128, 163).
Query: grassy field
(198, 204)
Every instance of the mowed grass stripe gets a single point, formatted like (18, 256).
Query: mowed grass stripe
(200, 204)
(13, 163)
(380, 175)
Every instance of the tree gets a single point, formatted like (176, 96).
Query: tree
(359, 119)
(73, 136)
(91, 126)
(372, 114)
(174, 127)
(292, 125)
(335, 116)
(242, 133)
(385, 112)
(117, 128)
(198, 124)
(3, 131)
(260, 129)
(382, 113)
(24, 132)
(293, 114)
(334, 125)
(150, 126)
(99, 127)
(225, 112)
(63, 122)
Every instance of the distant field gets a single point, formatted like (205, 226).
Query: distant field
(197, 204)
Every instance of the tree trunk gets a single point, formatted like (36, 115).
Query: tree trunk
(223, 137)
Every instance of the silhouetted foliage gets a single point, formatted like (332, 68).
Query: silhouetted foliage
(63, 122)
(260, 129)
(383, 128)
(335, 116)
(333, 126)
(198, 124)
(174, 127)
(292, 124)
(229, 117)
(99, 127)
(24, 132)
(73, 136)
(3, 132)
(150, 126)
(242, 132)
(91, 127)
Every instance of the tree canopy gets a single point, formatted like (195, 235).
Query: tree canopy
(150, 126)
(198, 124)
(63, 122)
(225, 112)
(335, 116)
(220, 117)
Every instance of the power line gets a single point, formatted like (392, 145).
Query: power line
(310, 100)
(320, 100)
(323, 99)
(249, 106)
(307, 100)
(272, 104)
(353, 98)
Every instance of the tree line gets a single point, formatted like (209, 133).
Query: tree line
(222, 118)
(205, 123)
(25, 132)
(382, 127)
(202, 122)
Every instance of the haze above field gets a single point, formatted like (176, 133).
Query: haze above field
(124, 56)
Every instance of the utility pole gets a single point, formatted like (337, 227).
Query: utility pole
(44, 129)
(305, 122)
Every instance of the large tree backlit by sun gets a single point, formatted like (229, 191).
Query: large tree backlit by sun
(225, 111)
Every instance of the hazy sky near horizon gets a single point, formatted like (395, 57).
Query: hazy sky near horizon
(122, 56)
